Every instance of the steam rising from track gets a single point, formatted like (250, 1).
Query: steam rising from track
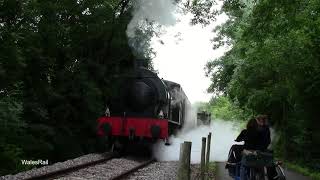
(223, 135)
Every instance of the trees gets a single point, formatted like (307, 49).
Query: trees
(58, 61)
(273, 68)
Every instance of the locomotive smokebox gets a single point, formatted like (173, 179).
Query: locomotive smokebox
(141, 96)
(141, 93)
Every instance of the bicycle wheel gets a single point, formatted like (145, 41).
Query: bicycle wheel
(260, 176)
(252, 174)
(256, 174)
(280, 173)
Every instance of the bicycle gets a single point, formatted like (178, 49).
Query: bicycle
(257, 164)
(254, 166)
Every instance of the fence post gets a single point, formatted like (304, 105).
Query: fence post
(184, 161)
(203, 156)
(208, 152)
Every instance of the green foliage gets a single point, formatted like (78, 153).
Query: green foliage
(59, 63)
(273, 68)
(222, 108)
(298, 167)
(12, 128)
(202, 11)
(11, 155)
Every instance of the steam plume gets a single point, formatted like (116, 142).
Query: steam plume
(223, 135)
(157, 11)
(148, 16)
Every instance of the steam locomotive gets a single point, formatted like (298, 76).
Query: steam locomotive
(146, 108)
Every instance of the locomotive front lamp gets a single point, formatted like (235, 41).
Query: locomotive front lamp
(107, 112)
(161, 115)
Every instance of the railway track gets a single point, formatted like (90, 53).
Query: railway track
(110, 167)
(67, 170)
(131, 171)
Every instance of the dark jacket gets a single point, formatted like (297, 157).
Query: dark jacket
(255, 139)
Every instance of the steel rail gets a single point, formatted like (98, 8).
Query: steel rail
(130, 171)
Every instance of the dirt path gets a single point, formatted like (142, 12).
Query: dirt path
(222, 174)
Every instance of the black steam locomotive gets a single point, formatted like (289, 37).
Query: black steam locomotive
(146, 108)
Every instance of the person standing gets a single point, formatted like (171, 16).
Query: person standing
(263, 131)
(256, 137)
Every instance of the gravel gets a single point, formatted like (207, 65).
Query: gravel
(103, 171)
(54, 167)
(155, 171)
(165, 171)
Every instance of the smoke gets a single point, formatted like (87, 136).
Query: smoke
(148, 18)
(158, 25)
(223, 135)
(182, 51)
(190, 117)
(161, 12)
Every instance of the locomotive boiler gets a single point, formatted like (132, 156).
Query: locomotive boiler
(146, 108)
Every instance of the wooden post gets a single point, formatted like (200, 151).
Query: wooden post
(203, 156)
(208, 152)
(184, 161)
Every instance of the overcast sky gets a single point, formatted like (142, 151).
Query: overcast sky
(183, 54)
(183, 50)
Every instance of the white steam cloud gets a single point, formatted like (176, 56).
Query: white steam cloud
(158, 11)
(182, 51)
(190, 119)
(222, 138)
(179, 50)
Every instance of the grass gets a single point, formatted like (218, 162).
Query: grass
(212, 170)
(305, 171)
(212, 166)
(196, 171)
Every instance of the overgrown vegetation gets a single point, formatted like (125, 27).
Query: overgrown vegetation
(296, 166)
(58, 60)
(212, 170)
(273, 68)
(222, 108)
(61, 60)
